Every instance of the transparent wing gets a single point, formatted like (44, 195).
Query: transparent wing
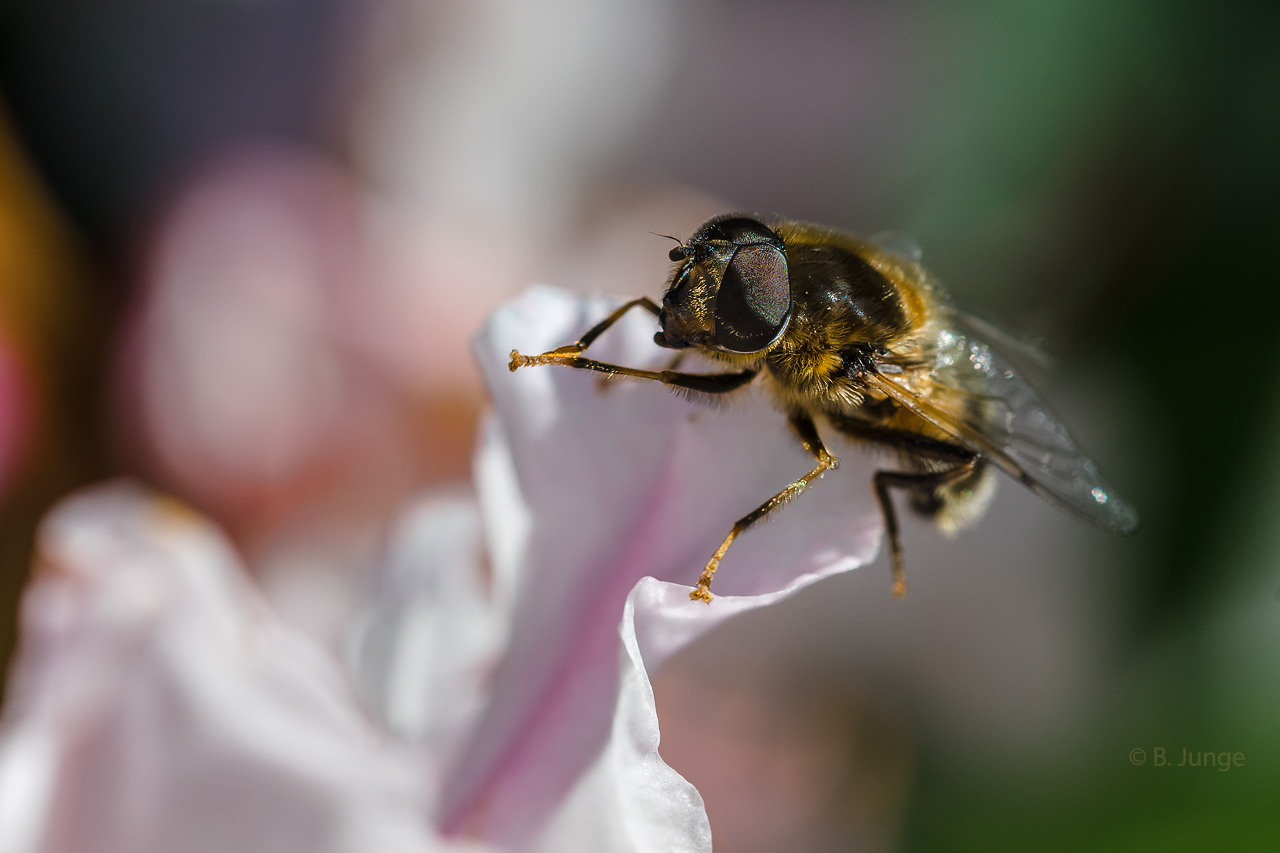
(975, 395)
(968, 317)
(1016, 342)
(898, 243)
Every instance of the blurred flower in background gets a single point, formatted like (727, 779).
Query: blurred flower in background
(243, 248)
(15, 414)
(47, 338)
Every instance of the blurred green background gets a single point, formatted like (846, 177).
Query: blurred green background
(1105, 174)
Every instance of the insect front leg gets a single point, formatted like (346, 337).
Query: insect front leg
(557, 356)
(808, 433)
(569, 356)
(703, 383)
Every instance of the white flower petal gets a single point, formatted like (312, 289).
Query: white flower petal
(619, 481)
(630, 800)
(426, 646)
(158, 705)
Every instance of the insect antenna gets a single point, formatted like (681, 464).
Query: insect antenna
(680, 252)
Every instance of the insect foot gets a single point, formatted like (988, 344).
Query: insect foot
(562, 355)
(518, 361)
(702, 592)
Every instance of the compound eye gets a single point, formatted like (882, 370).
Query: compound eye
(735, 228)
(745, 231)
(753, 304)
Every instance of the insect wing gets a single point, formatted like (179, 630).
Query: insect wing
(976, 395)
(1025, 347)
(898, 243)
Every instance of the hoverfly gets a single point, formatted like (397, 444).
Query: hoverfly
(846, 331)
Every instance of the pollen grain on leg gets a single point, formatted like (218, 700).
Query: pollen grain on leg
(701, 592)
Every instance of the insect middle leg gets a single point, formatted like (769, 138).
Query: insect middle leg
(958, 463)
(808, 433)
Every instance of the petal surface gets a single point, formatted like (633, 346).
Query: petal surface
(607, 483)
(157, 704)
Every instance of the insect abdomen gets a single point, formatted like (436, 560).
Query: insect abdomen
(957, 505)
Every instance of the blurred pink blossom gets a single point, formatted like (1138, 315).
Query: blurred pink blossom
(296, 365)
(288, 336)
(157, 703)
(15, 414)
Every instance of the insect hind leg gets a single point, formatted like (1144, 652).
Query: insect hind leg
(923, 486)
(948, 465)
